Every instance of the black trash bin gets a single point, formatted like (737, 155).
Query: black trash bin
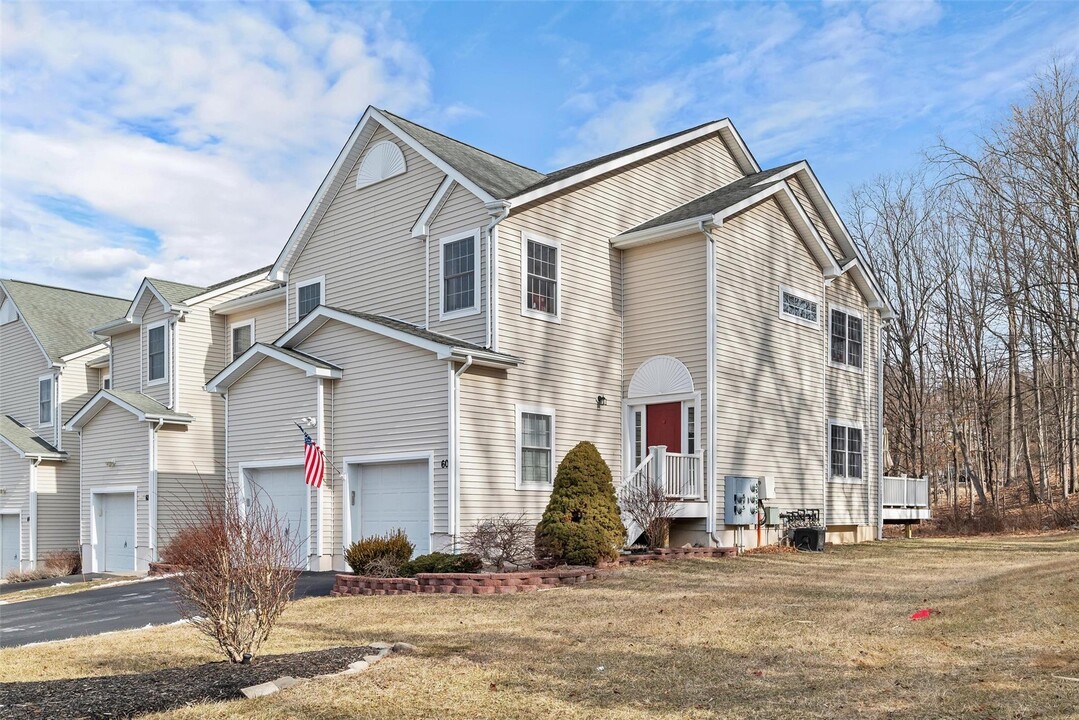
(811, 539)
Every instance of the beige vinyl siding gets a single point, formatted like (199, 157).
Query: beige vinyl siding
(364, 244)
(391, 399)
(115, 435)
(814, 217)
(666, 308)
(852, 396)
(22, 363)
(568, 364)
(126, 360)
(462, 212)
(15, 481)
(153, 314)
(269, 322)
(264, 406)
(770, 372)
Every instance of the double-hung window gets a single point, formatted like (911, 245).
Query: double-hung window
(540, 271)
(309, 295)
(845, 451)
(536, 440)
(798, 307)
(846, 338)
(243, 336)
(44, 400)
(156, 353)
(458, 273)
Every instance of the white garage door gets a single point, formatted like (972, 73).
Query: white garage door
(115, 532)
(285, 491)
(392, 496)
(9, 544)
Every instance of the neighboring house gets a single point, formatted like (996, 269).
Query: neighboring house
(457, 322)
(49, 365)
(153, 443)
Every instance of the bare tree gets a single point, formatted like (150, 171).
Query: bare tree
(503, 540)
(649, 507)
(237, 573)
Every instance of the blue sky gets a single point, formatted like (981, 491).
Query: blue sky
(184, 141)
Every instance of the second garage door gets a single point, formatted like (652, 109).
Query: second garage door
(391, 496)
(284, 489)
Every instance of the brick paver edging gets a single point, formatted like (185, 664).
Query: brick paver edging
(503, 583)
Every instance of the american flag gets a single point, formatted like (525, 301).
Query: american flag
(314, 462)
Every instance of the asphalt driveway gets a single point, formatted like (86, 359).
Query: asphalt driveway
(107, 609)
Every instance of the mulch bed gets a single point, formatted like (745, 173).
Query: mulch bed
(125, 696)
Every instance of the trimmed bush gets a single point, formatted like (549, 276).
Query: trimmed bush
(582, 524)
(438, 562)
(379, 554)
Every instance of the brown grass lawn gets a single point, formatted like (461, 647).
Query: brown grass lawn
(767, 636)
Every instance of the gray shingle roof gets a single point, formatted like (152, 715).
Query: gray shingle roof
(497, 176)
(147, 405)
(60, 318)
(716, 200)
(419, 332)
(26, 440)
(176, 292)
(302, 356)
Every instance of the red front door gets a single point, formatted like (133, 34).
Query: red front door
(664, 426)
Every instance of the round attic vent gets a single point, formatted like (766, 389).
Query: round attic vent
(661, 375)
(383, 160)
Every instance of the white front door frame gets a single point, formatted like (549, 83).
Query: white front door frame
(18, 524)
(357, 461)
(269, 465)
(114, 490)
(633, 404)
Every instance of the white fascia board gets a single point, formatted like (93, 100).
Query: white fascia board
(149, 286)
(267, 297)
(86, 351)
(103, 397)
(723, 127)
(434, 205)
(306, 327)
(60, 456)
(232, 287)
(112, 327)
(789, 203)
(256, 354)
(22, 319)
(14, 447)
(661, 232)
(480, 357)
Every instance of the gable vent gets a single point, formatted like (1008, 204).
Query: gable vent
(382, 161)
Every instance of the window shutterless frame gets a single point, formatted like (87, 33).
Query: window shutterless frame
(799, 307)
(157, 353)
(237, 346)
(307, 299)
(541, 277)
(529, 417)
(846, 338)
(46, 403)
(846, 451)
(458, 275)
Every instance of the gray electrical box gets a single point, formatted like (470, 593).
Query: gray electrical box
(771, 516)
(740, 507)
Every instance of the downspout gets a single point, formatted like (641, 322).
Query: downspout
(225, 399)
(827, 350)
(153, 490)
(454, 499)
(33, 513)
(880, 428)
(498, 211)
(320, 431)
(58, 405)
(710, 246)
(426, 281)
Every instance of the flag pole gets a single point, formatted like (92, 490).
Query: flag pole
(328, 461)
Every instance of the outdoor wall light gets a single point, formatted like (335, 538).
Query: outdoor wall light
(110, 463)
(600, 401)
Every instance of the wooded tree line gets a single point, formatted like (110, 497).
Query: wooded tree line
(978, 251)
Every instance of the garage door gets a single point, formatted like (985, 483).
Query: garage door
(391, 496)
(115, 532)
(9, 544)
(285, 491)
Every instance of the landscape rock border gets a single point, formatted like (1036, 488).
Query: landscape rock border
(382, 649)
(506, 582)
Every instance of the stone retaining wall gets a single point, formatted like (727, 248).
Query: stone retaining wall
(503, 583)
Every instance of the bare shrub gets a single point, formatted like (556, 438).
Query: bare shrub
(63, 562)
(237, 573)
(650, 508)
(503, 540)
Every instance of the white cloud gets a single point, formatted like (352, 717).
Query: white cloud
(897, 16)
(210, 125)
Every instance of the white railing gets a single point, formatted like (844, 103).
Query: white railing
(681, 475)
(906, 492)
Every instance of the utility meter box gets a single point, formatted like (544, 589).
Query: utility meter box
(768, 487)
(771, 516)
(742, 497)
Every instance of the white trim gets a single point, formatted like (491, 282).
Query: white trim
(254, 355)
(358, 461)
(724, 127)
(151, 480)
(17, 512)
(846, 479)
(113, 490)
(257, 465)
(166, 360)
(452, 446)
(85, 351)
(48, 358)
(519, 409)
(320, 438)
(174, 385)
(232, 337)
(856, 369)
(712, 354)
(422, 227)
(100, 396)
(321, 280)
(474, 308)
(802, 295)
(51, 377)
(231, 287)
(247, 302)
(148, 285)
(631, 405)
(8, 312)
(526, 237)
(32, 497)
